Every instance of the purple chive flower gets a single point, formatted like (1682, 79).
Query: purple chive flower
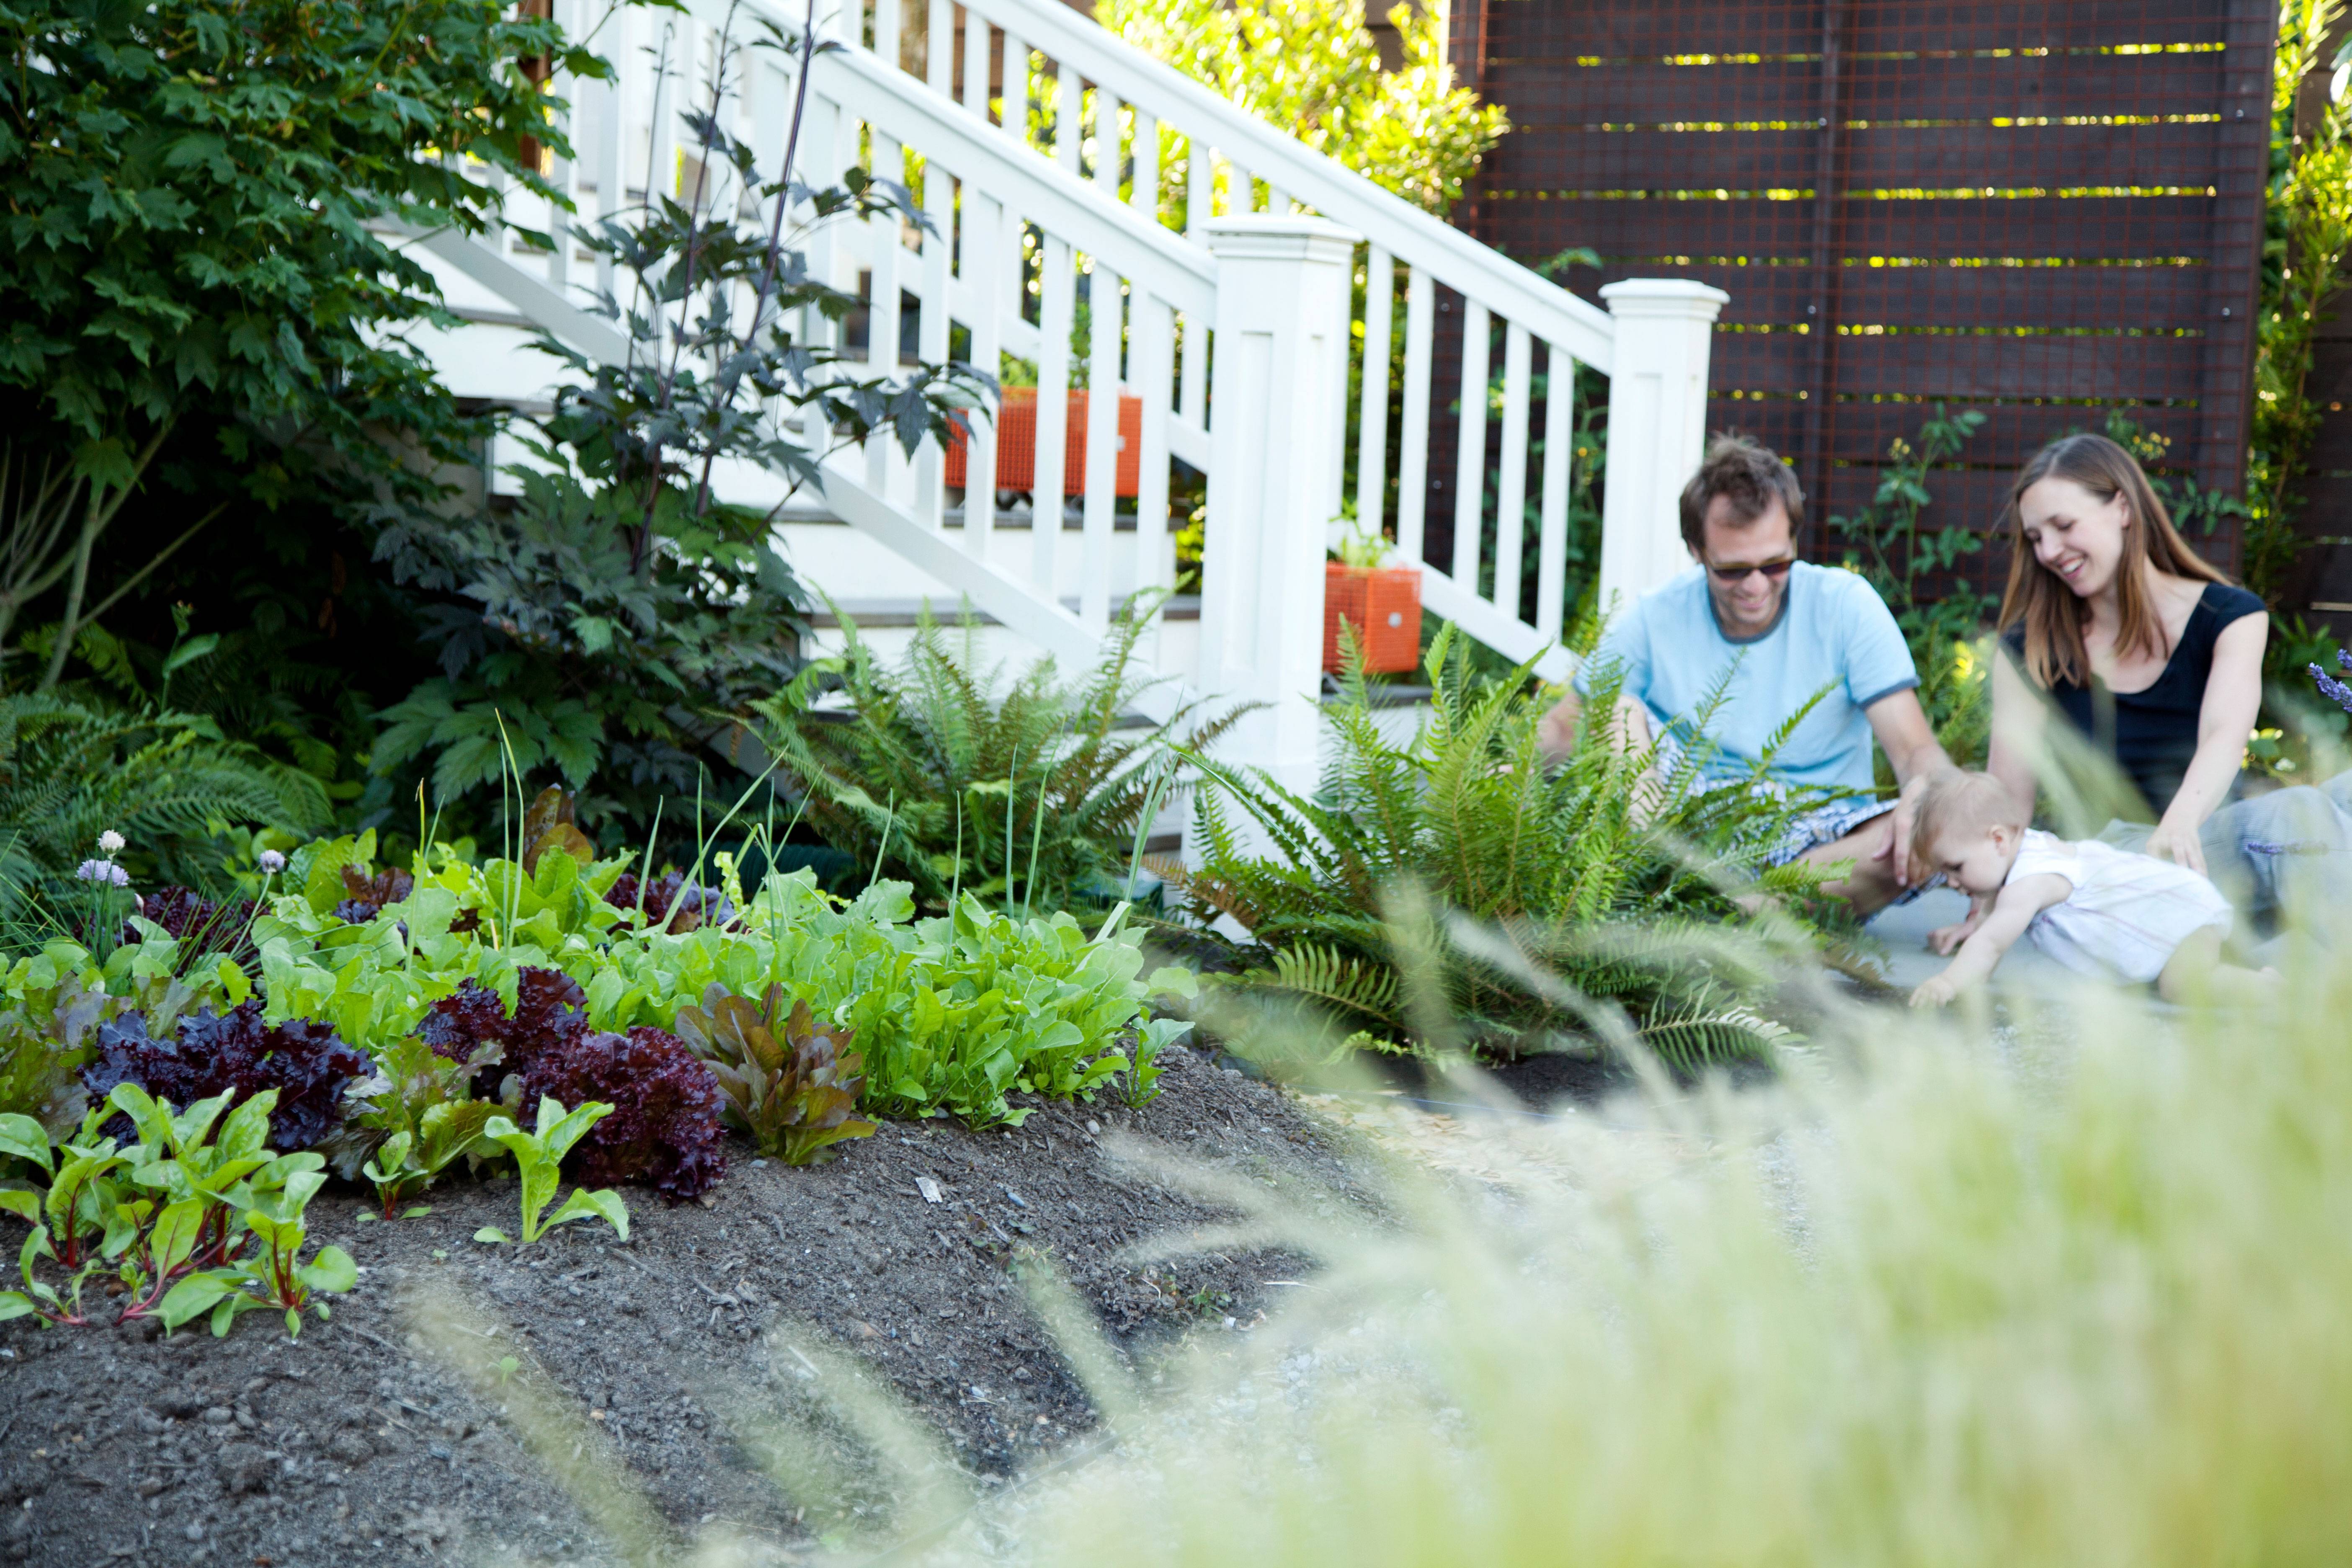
(270, 861)
(102, 871)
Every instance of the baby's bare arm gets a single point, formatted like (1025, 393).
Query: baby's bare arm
(2013, 911)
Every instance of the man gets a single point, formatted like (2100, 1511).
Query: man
(1790, 629)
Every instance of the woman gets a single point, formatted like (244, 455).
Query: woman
(2157, 658)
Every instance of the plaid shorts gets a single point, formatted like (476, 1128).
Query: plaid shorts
(1826, 825)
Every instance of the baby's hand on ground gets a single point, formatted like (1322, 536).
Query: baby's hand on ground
(1935, 992)
(1944, 939)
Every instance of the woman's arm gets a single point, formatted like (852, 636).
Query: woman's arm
(2234, 699)
(2013, 910)
(2018, 715)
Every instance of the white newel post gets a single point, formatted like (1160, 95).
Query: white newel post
(1277, 409)
(1657, 426)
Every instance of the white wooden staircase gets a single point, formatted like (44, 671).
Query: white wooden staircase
(1258, 254)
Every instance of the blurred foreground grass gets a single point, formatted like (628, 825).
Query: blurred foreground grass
(1932, 1297)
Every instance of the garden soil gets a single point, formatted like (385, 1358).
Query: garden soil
(676, 1365)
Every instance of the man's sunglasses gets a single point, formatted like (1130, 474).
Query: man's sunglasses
(1773, 571)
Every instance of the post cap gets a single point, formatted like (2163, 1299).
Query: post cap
(1684, 298)
(1279, 236)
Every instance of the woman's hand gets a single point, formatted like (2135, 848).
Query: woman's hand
(2179, 844)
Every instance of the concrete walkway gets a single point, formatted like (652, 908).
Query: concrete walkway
(1904, 930)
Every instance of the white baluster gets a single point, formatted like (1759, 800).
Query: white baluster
(939, 48)
(1144, 194)
(1109, 153)
(887, 46)
(1241, 190)
(1470, 449)
(1017, 87)
(608, 103)
(1152, 340)
(1560, 460)
(1058, 290)
(1283, 287)
(661, 146)
(1372, 422)
(977, 41)
(1069, 115)
(983, 260)
(1657, 423)
(1412, 440)
(882, 297)
(938, 205)
(1511, 484)
(1105, 320)
(1200, 206)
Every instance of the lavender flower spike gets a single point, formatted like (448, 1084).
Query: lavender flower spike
(270, 861)
(2335, 690)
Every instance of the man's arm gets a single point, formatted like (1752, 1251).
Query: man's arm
(1629, 732)
(2013, 911)
(1901, 726)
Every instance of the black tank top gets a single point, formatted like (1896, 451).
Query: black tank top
(2152, 734)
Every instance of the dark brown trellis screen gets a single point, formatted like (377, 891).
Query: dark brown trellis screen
(2044, 211)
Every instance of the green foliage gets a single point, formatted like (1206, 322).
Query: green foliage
(953, 1015)
(175, 1213)
(569, 654)
(1612, 876)
(1919, 571)
(192, 189)
(619, 622)
(538, 1159)
(2308, 225)
(792, 1086)
(1312, 70)
(1029, 793)
(70, 769)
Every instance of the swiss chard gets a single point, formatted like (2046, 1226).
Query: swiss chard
(538, 1160)
(405, 1163)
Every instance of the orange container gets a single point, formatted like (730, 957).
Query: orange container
(1017, 445)
(1384, 605)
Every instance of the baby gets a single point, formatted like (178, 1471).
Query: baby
(2098, 909)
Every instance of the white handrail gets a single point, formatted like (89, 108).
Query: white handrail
(1338, 193)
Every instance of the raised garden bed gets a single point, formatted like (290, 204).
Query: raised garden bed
(357, 1444)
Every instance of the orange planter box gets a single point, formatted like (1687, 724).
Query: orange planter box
(1384, 605)
(1017, 445)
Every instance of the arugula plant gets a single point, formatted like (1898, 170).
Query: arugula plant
(538, 1159)
(790, 1084)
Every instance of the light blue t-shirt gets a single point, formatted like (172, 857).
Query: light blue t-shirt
(1834, 630)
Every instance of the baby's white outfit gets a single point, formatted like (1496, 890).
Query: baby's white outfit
(2128, 915)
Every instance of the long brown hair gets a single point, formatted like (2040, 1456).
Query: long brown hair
(2052, 613)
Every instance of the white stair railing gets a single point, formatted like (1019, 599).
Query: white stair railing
(1027, 226)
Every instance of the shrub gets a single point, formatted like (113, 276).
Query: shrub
(1628, 907)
